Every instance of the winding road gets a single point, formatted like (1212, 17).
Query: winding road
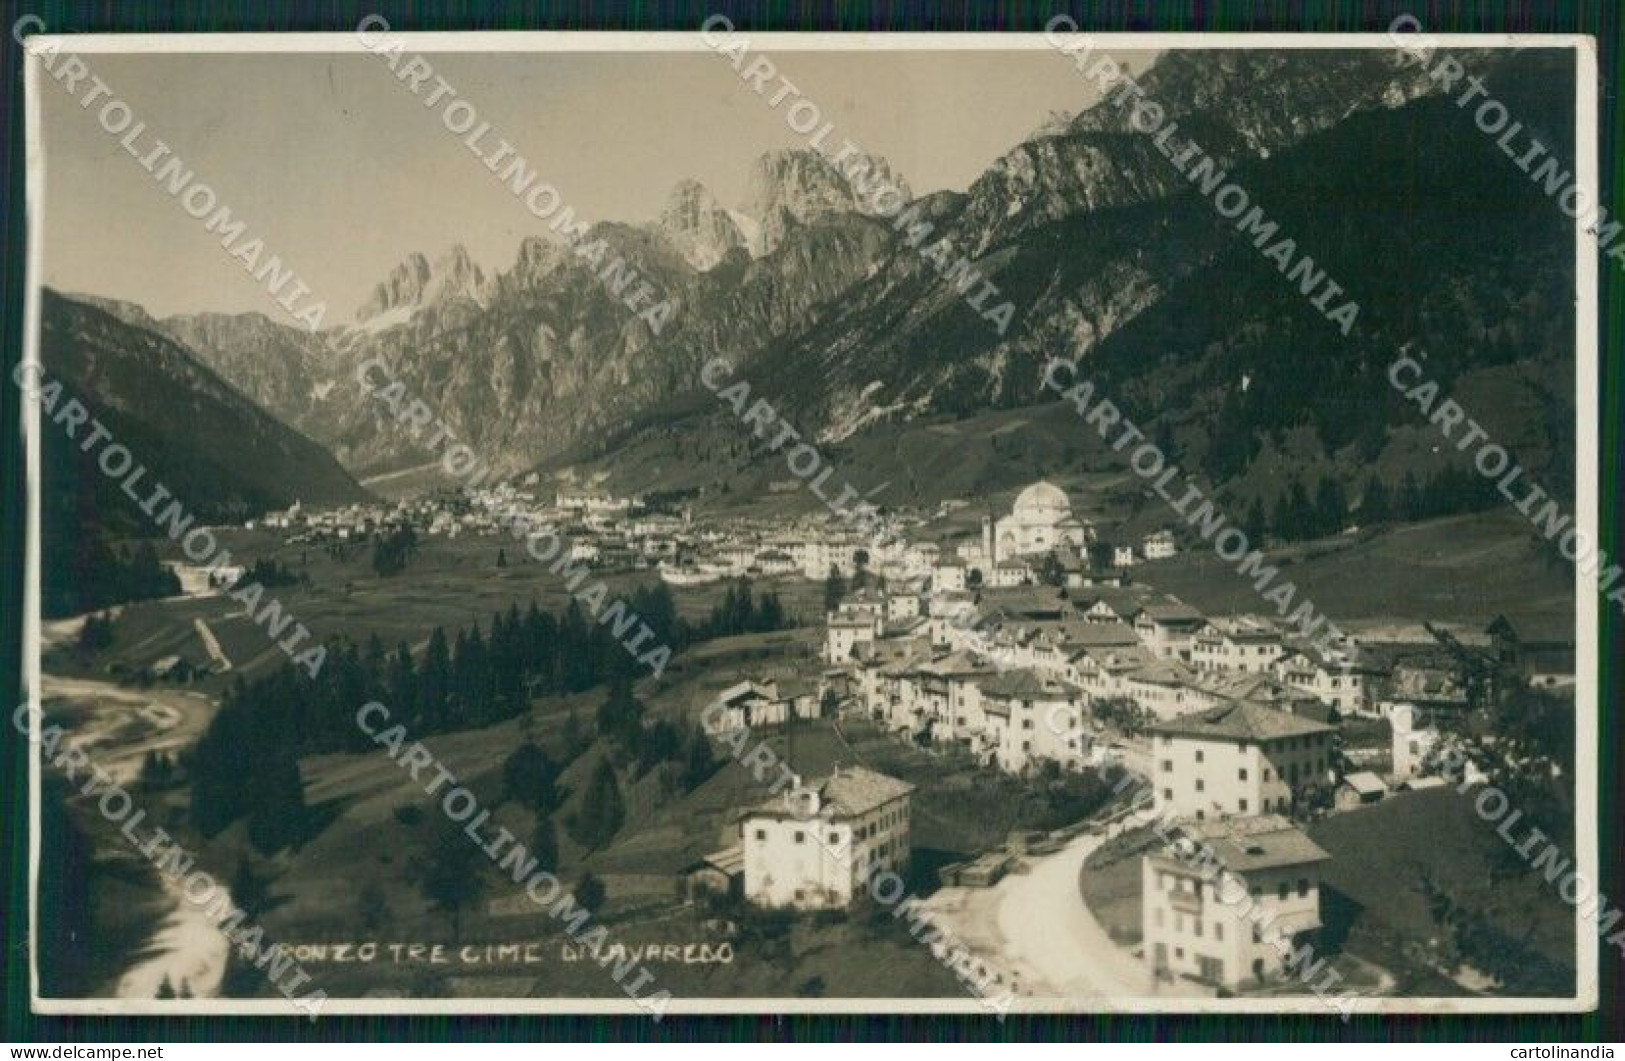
(119, 727)
(1035, 925)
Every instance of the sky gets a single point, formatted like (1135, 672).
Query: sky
(343, 173)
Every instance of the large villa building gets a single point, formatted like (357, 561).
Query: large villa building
(1239, 758)
(818, 846)
(1231, 902)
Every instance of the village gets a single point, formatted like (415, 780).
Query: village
(1035, 648)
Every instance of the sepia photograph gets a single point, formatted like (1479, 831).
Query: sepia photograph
(714, 521)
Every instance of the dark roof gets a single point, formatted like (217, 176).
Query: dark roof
(1174, 612)
(1240, 721)
(855, 790)
(1025, 684)
(729, 860)
(1164, 672)
(1263, 841)
(1433, 685)
(1085, 634)
(1364, 782)
(1260, 689)
(849, 792)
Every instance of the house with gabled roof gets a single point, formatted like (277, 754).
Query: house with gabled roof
(1168, 627)
(1334, 675)
(1271, 692)
(1032, 717)
(1241, 644)
(1239, 758)
(818, 846)
(1231, 902)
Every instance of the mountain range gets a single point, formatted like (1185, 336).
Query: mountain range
(1104, 248)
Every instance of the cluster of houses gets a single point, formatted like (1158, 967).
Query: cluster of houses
(1040, 539)
(1028, 644)
(941, 666)
(1042, 657)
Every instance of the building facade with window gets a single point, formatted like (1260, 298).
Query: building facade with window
(818, 846)
(1239, 758)
(1233, 903)
(1031, 717)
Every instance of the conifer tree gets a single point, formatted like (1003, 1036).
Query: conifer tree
(602, 811)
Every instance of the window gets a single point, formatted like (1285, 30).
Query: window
(1258, 933)
(1303, 887)
(761, 834)
(1218, 931)
(834, 838)
(801, 837)
(1281, 892)
(1197, 926)
(1241, 806)
(1199, 785)
(1241, 775)
(1167, 793)
(1198, 755)
(1167, 766)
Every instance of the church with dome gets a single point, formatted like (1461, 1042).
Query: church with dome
(1040, 520)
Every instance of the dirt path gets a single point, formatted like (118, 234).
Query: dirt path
(1042, 918)
(119, 728)
(1035, 925)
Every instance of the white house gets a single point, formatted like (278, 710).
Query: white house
(843, 633)
(948, 575)
(1169, 628)
(817, 847)
(773, 562)
(1236, 644)
(1231, 903)
(1416, 734)
(1032, 717)
(1159, 545)
(751, 704)
(1165, 688)
(1333, 676)
(1007, 574)
(1236, 759)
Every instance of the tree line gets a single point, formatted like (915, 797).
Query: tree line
(1296, 516)
(246, 764)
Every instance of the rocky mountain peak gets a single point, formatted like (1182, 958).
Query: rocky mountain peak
(1269, 99)
(416, 283)
(698, 226)
(794, 186)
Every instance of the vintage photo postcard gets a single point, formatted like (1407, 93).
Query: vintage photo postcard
(717, 521)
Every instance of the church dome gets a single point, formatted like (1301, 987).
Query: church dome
(1042, 502)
